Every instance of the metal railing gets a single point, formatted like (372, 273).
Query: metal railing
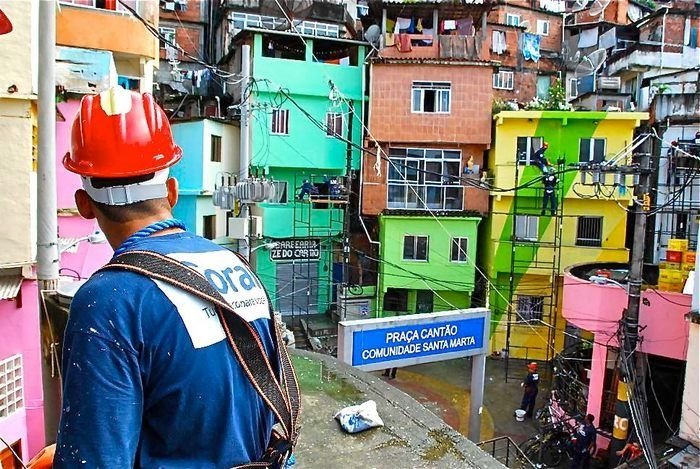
(505, 450)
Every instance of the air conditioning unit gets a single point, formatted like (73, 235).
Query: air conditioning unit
(168, 6)
(238, 228)
(609, 83)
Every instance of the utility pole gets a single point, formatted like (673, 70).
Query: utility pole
(245, 141)
(47, 218)
(628, 386)
(346, 212)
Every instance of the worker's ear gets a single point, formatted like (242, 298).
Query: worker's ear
(172, 186)
(84, 204)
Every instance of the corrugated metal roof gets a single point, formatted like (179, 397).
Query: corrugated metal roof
(9, 286)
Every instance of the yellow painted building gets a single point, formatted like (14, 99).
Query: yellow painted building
(18, 79)
(526, 251)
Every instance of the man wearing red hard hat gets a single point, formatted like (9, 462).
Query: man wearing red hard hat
(530, 389)
(157, 367)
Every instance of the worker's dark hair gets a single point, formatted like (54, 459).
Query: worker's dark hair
(129, 212)
(590, 418)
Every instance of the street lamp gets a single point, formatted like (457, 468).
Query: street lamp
(97, 237)
(271, 245)
(600, 280)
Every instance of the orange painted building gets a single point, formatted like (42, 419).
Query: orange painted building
(394, 122)
(113, 28)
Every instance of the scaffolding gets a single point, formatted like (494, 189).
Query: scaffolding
(309, 283)
(678, 191)
(532, 254)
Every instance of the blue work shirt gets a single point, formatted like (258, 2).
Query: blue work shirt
(149, 379)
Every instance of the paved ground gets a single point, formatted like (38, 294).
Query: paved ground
(443, 387)
(413, 437)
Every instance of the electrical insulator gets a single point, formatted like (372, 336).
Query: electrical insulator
(584, 178)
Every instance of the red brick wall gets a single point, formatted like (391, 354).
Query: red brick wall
(374, 189)
(551, 42)
(524, 87)
(190, 39)
(196, 11)
(469, 120)
(615, 12)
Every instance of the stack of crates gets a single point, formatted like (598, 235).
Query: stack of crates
(679, 261)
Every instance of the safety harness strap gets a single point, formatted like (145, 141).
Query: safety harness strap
(279, 391)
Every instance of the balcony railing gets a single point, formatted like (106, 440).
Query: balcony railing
(109, 5)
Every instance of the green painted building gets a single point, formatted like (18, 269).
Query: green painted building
(425, 263)
(306, 99)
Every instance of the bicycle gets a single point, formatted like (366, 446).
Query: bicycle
(548, 448)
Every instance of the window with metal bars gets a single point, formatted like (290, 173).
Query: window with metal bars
(216, 148)
(589, 231)
(530, 308)
(280, 122)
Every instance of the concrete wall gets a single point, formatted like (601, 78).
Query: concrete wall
(19, 329)
(18, 49)
(391, 119)
(690, 417)
(598, 308)
(18, 181)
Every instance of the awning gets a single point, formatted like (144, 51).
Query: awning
(9, 286)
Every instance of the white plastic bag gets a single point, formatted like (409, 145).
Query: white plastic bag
(358, 418)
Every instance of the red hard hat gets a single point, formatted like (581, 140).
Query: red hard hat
(120, 133)
(5, 24)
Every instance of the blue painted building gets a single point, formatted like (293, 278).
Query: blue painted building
(210, 147)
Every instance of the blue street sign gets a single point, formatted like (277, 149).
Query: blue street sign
(406, 340)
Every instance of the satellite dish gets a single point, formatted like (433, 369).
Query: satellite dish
(579, 5)
(577, 56)
(525, 24)
(5, 25)
(590, 63)
(598, 7)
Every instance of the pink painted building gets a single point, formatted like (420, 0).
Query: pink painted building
(595, 310)
(84, 258)
(21, 394)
